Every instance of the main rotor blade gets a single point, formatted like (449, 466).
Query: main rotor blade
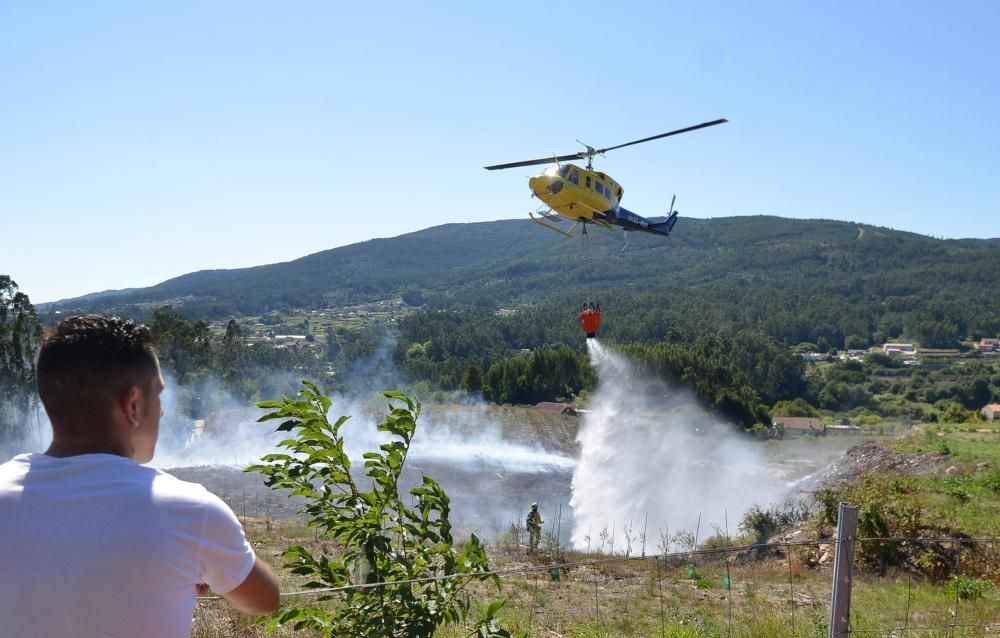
(544, 160)
(656, 137)
(581, 155)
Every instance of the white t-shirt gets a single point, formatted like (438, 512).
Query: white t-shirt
(99, 546)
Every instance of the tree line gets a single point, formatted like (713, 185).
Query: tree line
(20, 336)
(833, 284)
(209, 371)
(537, 355)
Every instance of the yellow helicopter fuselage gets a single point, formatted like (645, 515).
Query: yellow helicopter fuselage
(577, 193)
(586, 196)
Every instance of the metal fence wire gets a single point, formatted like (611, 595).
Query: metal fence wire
(899, 587)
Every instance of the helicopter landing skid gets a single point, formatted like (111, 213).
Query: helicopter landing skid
(548, 213)
(539, 220)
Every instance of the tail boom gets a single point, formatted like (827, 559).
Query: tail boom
(630, 221)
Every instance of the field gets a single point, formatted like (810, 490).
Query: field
(950, 472)
(784, 595)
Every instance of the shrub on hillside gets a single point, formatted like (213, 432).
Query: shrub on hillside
(969, 588)
(992, 481)
(761, 524)
(886, 508)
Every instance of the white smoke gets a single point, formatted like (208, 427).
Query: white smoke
(227, 434)
(649, 457)
(231, 436)
(490, 474)
(33, 434)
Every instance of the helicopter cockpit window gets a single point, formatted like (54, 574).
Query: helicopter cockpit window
(562, 171)
(600, 188)
(575, 178)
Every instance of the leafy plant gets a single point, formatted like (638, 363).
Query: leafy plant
(761, 524)
(955, 413)
(886, 507)
(969, 588)
(399, 573)
(992, 481)
(700, 580)
(958, 486)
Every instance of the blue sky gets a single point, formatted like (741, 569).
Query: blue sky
(142, 140)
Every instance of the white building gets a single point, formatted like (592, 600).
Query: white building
(899, 349)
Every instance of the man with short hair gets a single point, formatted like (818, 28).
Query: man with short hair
(91, 542)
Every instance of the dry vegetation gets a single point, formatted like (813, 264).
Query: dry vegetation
(785, 592)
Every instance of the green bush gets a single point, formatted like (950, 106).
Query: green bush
(383, 540)
(761, 524)
(955, 413)
(700, 580)
(958, 486)
(886, 508)
(796, 407)
(969, 588)
(828, 499)
(865, 417)
(992, 481)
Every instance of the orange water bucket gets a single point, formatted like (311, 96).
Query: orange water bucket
(590, 320)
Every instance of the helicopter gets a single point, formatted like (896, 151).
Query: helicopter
(585, 196)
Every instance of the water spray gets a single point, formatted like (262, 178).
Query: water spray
(648, 449)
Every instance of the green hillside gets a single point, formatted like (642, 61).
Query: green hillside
(797, 280)
(724, 305)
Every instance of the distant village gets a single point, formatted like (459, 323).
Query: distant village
(909, 355)
(906, 352)
(278, 331)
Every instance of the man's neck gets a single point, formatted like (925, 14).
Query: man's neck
(63, 447)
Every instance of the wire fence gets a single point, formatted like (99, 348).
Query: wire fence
(912, 587)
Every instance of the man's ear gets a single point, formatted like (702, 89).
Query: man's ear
(130, 403)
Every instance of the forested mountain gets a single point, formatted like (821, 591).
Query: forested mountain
(798, 280)
(722, 305)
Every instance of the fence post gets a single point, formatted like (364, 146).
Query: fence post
(843, 571)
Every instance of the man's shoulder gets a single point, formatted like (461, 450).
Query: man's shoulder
(168, 486)
(162, 485)
(18, 462)
(12, 462)
(12, 471)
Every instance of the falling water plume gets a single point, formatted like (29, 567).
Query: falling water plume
(647, 449)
